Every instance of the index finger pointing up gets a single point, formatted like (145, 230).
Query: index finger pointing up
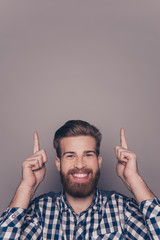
(36, 145)
(123, 139)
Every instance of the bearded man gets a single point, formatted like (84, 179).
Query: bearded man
(81, 210)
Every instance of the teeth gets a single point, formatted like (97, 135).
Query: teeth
(80, 175)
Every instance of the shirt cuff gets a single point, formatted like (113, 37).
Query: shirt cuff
(150, 208)
(13, 217)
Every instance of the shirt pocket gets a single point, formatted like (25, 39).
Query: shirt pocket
(116, 235)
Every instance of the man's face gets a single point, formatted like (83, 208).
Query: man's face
(79, 166)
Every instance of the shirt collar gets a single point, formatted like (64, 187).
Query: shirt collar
(64, 206)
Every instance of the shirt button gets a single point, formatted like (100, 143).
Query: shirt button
(13, 216)
(152, 206)
(79, 225)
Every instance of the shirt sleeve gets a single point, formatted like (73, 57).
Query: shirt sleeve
(151, 214)
(143, 220)
(19, 223)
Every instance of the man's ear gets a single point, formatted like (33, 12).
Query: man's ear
(99, 160)
(58, 163)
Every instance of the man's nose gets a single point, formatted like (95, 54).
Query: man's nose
(80, 163)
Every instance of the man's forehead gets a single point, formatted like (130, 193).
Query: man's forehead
(78, 141)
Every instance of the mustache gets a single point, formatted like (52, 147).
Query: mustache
(79, 170)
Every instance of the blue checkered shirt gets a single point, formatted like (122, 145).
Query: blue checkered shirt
(110, 216)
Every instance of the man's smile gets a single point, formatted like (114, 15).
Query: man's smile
(80, 176)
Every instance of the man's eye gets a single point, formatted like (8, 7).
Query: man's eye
(89, 155)
(70, 156)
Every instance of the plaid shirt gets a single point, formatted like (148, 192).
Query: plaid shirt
(110, 216)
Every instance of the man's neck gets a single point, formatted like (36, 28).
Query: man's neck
(79, 204)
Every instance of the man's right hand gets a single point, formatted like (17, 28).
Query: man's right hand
(33, 172)
(33, 168)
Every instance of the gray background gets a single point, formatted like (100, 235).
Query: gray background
(91, 60)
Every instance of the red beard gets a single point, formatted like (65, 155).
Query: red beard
(80, 189)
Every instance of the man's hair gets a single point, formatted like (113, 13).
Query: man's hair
(75, 128)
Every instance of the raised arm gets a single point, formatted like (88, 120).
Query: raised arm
(33, 172)
(127, 170)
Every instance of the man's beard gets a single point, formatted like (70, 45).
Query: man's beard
(80, 190)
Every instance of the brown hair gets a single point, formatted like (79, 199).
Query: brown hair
(76, 128)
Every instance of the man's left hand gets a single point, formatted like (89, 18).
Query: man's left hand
(127, 162)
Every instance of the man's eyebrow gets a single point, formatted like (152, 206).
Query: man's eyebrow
(90, 151)
(87, 151)
(68, 153)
